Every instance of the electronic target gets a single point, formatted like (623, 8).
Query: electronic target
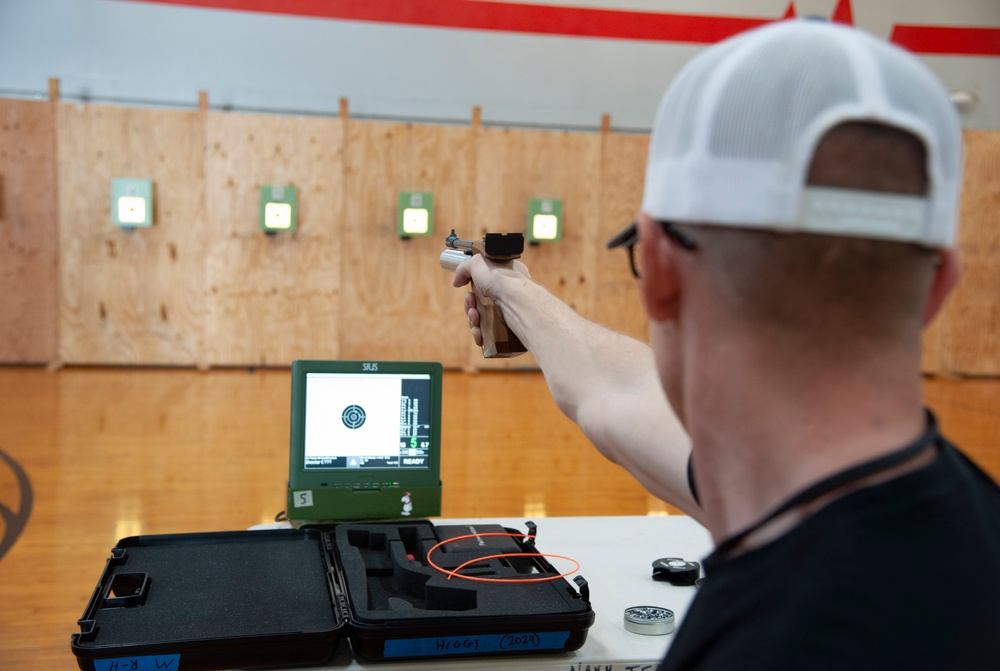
(353, 416)
(365, 440)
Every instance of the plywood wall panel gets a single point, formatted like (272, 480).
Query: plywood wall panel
(618, 303)
(271, 302)
(965, 339)
(131, 297)
(246, 151)
(513, 166)
(204, 286)
(272, 299)
(979, 217)
(973, 343)
(28, 239)
(397, 302)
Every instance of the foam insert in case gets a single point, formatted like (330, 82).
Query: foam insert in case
(403, 607)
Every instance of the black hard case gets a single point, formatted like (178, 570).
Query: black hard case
(255, 599)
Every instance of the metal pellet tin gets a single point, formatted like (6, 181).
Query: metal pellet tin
(649, 620)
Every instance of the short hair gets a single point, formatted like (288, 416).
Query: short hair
(836, 291)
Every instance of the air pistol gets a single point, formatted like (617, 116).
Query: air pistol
(502, 248)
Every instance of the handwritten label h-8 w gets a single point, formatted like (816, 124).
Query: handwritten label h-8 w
(474, 645)
(146, 663)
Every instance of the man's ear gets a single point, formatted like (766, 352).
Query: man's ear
(660, 283)
(946, 276)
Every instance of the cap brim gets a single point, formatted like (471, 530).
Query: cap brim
(625, 237)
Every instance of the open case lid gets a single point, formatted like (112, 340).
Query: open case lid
(365, 440)
(278, 598)
(212, 600)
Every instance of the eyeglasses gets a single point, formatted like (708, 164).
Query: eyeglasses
(628, 238)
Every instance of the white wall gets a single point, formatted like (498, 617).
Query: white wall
(137, 53)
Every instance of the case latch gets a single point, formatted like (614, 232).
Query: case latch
(127, 590)
(529, 540)
(584, 587)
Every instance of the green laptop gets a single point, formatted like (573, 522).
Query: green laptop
(365, 441)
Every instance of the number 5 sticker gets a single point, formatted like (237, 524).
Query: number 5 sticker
(302, 499)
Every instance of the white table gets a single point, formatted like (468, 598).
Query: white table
(616, 556)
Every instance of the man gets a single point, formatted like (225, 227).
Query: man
(796, 234)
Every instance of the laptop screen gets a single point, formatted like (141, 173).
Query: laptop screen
(367, 421)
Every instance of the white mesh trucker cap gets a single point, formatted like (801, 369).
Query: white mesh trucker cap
(735, 133)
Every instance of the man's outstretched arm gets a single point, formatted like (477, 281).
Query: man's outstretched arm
(604, 381)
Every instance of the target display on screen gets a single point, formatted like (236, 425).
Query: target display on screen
(365, 421)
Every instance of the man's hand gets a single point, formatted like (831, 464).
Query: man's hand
(473, 314)
(488, 278)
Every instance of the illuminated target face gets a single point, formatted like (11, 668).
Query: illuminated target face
(353, 416)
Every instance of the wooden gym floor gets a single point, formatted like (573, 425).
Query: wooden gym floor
(111, 453)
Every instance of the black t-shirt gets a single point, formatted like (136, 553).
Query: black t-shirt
(901, 575)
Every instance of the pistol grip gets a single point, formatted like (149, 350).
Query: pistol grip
(499, 342)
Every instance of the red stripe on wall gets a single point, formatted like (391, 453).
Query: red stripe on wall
(590, 22)
(843, 13)
(947, 40)
(505, 17)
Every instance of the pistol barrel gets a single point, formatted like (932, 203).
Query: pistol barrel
(455, 242)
